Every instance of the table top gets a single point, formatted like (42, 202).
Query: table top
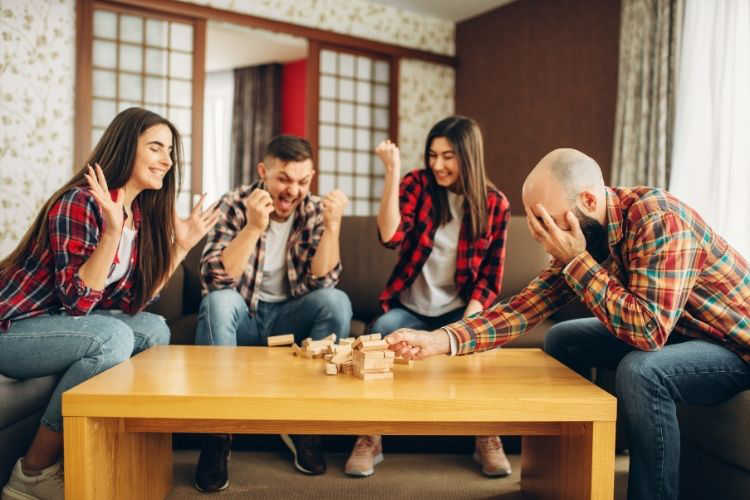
(268, 383)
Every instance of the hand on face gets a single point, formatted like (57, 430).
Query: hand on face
(562, 244)
(112, 210)
(418, 344)
(258, 209)
(389, 154)
(190, 230)
(333, 209)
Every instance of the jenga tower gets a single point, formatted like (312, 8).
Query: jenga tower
(371, 359)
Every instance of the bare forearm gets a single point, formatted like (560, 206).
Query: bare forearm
(389, 216)
(235, 256)
(327, 254)
(95, 270)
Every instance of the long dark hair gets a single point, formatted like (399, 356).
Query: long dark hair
(464, 135)
(115, 153)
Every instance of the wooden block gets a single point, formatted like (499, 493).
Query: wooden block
(347, 368)
(375, 376)
(374, 364)
(374, 345)
(341, 357)
(328, 357)
(372, 336)
(331, 369)
(330, 339)
(404, 361)
(296, 350)
(390, 354)
(277, 340)
(347, 341)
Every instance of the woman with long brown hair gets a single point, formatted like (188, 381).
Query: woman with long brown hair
(450, 224)
(73, 291)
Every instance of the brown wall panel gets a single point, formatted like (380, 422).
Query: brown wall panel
(537, 75)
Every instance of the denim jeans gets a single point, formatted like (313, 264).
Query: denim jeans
(400, 317)
(224, 318)
(77, 347)
(649, 385)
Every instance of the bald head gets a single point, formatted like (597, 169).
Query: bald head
(558, 181)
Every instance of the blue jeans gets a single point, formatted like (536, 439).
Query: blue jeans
(224, 318)
(400, 317)
(649, 385)
(77, 347)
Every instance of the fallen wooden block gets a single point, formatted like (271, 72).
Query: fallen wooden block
(347, 341)
(296, 350)
(403, 361)
(331, 369)
(277, 340)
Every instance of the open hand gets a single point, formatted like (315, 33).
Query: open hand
(111, 206)
(562, 244)
(190, 230)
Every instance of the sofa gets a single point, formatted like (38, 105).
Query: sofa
(715, 458)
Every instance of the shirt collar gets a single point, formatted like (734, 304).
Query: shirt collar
(614, 217)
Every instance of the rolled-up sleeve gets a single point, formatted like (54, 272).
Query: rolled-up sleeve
(213, 274)
(410, 190)
(74, 226)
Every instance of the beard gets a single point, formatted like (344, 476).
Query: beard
(597, 241)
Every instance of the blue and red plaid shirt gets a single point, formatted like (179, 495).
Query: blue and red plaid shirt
(48, 281)
(479, 264)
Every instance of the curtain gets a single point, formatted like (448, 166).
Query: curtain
(649, 48)
(256, 118)
(712, 131)
(217, 133)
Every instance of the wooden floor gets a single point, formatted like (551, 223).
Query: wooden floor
(270, 475)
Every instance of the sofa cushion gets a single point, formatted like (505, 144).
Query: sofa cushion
(720, 430)
(367, 265)
(22, 398)
(524, 257)
(169, 303)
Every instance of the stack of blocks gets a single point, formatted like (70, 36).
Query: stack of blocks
(315, 348)
(371, 358)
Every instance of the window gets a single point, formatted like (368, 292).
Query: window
(354, 110)
(138, 59)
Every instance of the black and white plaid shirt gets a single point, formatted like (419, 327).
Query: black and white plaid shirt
(301, 246)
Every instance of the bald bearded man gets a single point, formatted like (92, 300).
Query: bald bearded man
(671, 301)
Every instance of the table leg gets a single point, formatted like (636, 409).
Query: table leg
(104, 462)
(579, 464)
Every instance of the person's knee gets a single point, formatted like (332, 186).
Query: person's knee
(638, 371)
(557, 340)
(114, 342)
(335, 303)
(385, 324)
(154, 328)
(221, 303)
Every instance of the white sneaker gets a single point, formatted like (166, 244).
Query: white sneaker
(48, 485)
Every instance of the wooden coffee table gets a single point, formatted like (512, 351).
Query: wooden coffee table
(118, 424)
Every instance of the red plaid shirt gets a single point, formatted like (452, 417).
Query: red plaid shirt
(668, 271)
(48, 280)
(479, 264)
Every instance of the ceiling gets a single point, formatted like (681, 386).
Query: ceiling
(450, 10)
(257, 47)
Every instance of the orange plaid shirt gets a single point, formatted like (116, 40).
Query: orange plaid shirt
(667, 271)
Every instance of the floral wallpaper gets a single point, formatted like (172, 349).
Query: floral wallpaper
(37, 49)
(37, 75)
(353, 17)
(426, 94)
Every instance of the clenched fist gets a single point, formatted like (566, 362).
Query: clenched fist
(389, 154)
(333, 209)
(258, 208)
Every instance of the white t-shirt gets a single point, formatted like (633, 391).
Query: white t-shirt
(274, 287)
(124, 249)
(434, 291)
